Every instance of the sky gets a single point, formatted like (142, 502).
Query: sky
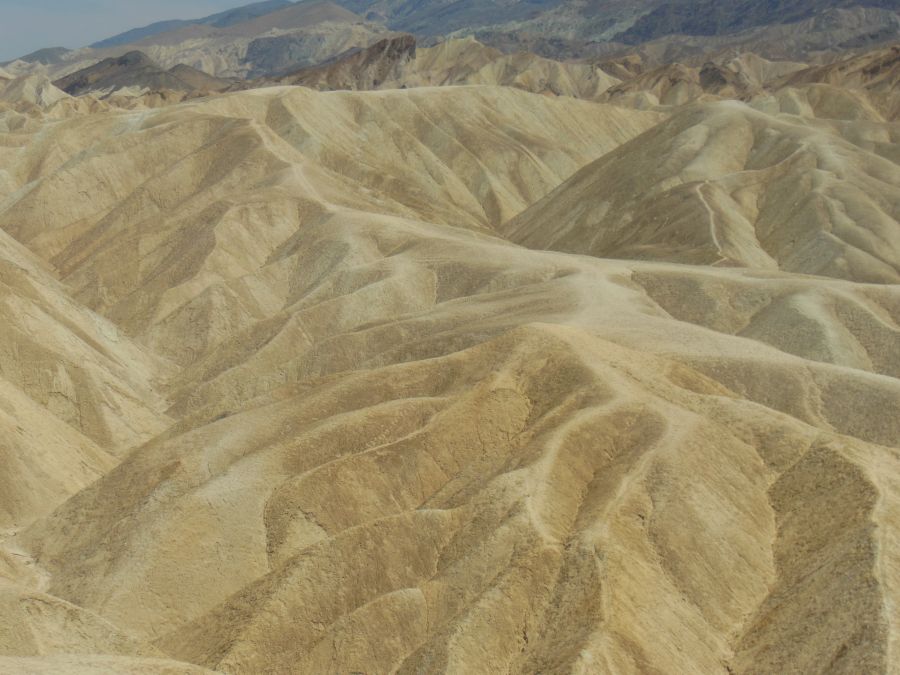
(28, 25)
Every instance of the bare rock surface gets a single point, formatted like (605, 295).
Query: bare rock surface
(464, 379)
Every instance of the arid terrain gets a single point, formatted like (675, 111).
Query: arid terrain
(450, 360)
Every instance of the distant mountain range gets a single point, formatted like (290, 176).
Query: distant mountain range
(630, 22)
(277, 37)
(224, 19)
(713, 17)
(268, 38)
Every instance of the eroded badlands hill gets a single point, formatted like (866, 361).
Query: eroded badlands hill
(723, 183)
(316, 413)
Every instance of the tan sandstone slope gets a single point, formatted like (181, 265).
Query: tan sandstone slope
(723, 183)
(374, 433)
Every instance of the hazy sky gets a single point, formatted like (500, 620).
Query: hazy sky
(27, 25)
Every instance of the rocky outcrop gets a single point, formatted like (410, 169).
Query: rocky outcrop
(368, 68)
(137, 70)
